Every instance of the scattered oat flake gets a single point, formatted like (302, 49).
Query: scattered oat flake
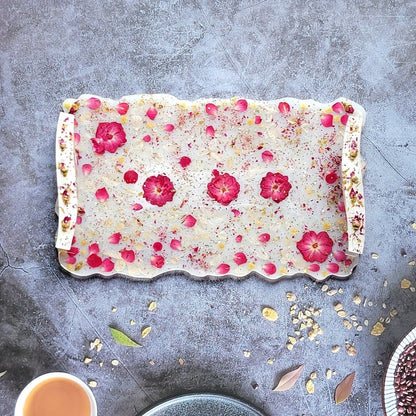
(351, 350)
(246, 353)
(324, 288)
(87, 360)
(270, 361)
(132, 322)
(374, 256)
(405, 284)
(92, 383)
(411, 263)
(113, 309)
(377, 329)
(151, 362)
(270, 314)
(181, 361)
(344, 388)
(3, 373)
(328, 373)
(115, 362)
(291, 297)
(338, 306)
(414, 225)
(289, 379)
(313, 375)
(310, 387)
(145, 331)
(152, 306)
(335, 348)
(331, 292)
(356, 300)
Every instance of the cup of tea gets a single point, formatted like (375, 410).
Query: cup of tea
(56, 393)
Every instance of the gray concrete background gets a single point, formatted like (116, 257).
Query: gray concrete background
(51, 50)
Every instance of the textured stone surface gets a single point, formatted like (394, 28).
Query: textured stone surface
(364, 50)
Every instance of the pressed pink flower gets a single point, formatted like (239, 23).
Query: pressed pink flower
(114, 238)
(93, 103)
(241, 105)
(211, 109)
(327, 120)
(73, 251)
(107, 265)
(314, 267)
(238, 238)
(122, 108)
(108, 137)
(157, 246)
(77, 138)
(176, 244)
(315, 247)
(283, 107)
(94, 261)
(147, 138)
(275, 186)
(158, 190)
(240, 258)
(344, 119)
(86, 169)
(137, 207)
(210, 131)
(223, 268)
(151, 113)
(127, 255)
(185, 161)
(264, 238)
(339, 255)
(269, 268)
(332, 267)
(157, 261)
(223, 188)
(169, 127)
(131, 176)
(94, 248)
(102, 194)
(331, 176)
(338, 108)
(267, 156)
(189, 221)
(257, 120)
(70, 260)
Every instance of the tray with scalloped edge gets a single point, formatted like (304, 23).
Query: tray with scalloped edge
(149, 184)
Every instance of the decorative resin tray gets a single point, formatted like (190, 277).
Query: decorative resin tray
(150, 184)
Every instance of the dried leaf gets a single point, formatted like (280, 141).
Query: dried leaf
(123, 339)
(344, 388)
(3, 373)
(289, 379)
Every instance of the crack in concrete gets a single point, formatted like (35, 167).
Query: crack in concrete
(7, 265)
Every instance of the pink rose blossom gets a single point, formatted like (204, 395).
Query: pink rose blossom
(151, 113)
(158, 190)
(108, 137)
(223, 268)
(94, 261)
(315, 247)
(101, 194)
(189, 221)
(107, 265)
(114, 238)
(275, 186)
(223, 188)
(127, 255)
(93, 103)
(131, 176)
(269, 268)
(211, 109)
(241, 105)
(284, 108)
(122, 108)
(240, 258)
(157, 261)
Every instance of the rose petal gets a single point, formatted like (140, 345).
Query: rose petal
(211, 109)
(344, 119)
(327, 120)
(264, 238)
(94, 248)
(241, 105)
(257, 120)
(189, 221)
(147, 138)
(122, 109)
(157, 246)
(269, 268)
(137, 207)
(70, 260)
(341, 206)
(338, 108)
(127, 255)
(86, 169)
(240, 258)
(175, 244)
(94, 261)
(101, 194)
(157, 261)
(332, 267)
(77, 138)
(185, 161)
(284, 107)
(314, 267)
(331, 176)
(238, 238)
(267, 156)
(169, 127)
(93, 103)
(131, 176)
(107, 265)
(210, 131)
(223, 268)
(151, 113)
(114, 238)
(236, 212)
(339, 255)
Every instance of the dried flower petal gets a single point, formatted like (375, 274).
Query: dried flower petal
(122, 338)
(289, 379)
(344, 388)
